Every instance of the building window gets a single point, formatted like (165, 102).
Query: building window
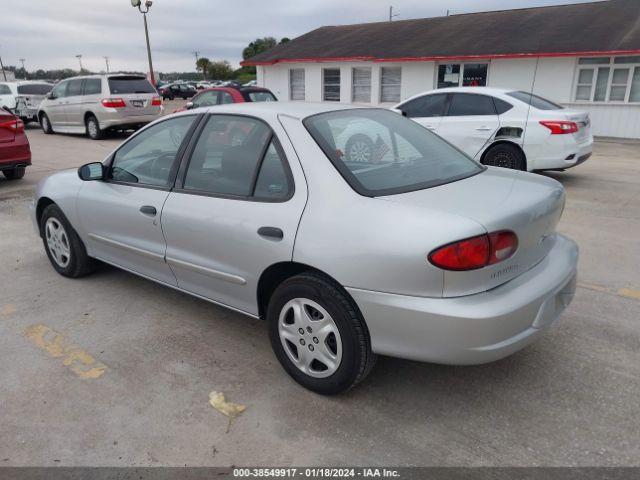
(462, 74)
(331, 84)
(361, 85)
(296, 84)
(608, 79)
(390, 82)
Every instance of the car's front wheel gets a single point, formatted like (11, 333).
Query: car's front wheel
(45, 124)
(318, 334)
(64, 247)
(14, 174)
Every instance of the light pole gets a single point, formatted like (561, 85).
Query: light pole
(147, 5)
(106, 60)
(79, 57)
(24, 71)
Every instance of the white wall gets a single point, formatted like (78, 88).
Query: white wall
(554, 79)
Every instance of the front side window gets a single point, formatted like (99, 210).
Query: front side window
(60, 90)
(225, 97)
(237, 156)
(206, 99)
(74, 88)
(296, 84)
(425, 106)
(361, 85)
(149, 157)
(470, 104)
(331, 84)
(402, 156)
(390, 83)
(462, 74)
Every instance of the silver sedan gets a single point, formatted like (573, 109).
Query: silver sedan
(417, 252)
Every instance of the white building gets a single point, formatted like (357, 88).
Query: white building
(585, 56)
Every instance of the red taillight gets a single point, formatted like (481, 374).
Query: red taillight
(15, 125)
(156, 102)
(475, 252)
(113, 103)
(560, 127)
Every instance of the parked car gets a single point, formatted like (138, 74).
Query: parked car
(23, 98)
(224, 95)
(95, 104)
(431, 257)
(173, 90)
(15, 152)
(504, 128)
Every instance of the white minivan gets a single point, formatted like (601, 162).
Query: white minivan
(94, 104)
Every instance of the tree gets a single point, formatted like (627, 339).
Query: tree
(259, 45)
(202, 65)
(220, 70)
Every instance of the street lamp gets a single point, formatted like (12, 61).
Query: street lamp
(24, 71)
(79, 57)
(147, 5)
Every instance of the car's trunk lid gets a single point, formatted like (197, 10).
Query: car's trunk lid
(498, 199)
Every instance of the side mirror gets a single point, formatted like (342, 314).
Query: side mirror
(189, 105)
(51, 96)
(91, 171)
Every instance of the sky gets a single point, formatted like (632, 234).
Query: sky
(49, 34)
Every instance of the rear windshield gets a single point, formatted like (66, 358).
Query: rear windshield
(379, 152)
(124, 85)
(34, 89)
(535, 101)
(259, 96)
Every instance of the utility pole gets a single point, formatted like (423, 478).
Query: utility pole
(4, 74)
(391, 14)
(79, 57)
(106, 60)
(197, 55)
(24, 70)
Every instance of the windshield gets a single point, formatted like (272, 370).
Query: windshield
(34, 89)
(124, 85)
(535, 101)
(379, 152)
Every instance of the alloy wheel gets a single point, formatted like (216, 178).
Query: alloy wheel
(57, 242)
(360, 152)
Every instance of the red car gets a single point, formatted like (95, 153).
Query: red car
(15, 152)
(224, 95)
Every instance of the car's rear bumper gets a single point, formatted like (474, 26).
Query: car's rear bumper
(560, 154)
(476, 328)
(111, 120)
(16, 154)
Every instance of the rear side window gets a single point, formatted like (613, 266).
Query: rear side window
(535, 101)
(4, 89)
(260, 97)
(34, 89)
(467, 104)
(237, 156)
(425, 106)
(501, 106)
(74, 88)
(93, 86)
(125, 85)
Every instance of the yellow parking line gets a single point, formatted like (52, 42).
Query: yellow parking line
(79, 361)
(7, 310)
(621, 292)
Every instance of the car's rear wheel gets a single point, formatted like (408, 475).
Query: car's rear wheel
(45, 123)
(359, 148)
(505, 156)
(93, 128)
(318, 334)
(15, 173)
(64, 247)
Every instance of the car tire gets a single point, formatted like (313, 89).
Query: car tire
(93, 128)
(334, 358)
(359, 149)
(506, 156)
(15, 173)
(45, 123)
(65, 249)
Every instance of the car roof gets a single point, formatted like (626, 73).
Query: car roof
(298, 110)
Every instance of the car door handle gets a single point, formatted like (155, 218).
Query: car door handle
(430, 127)
(148, 210)
(484, 129)
(271, 232)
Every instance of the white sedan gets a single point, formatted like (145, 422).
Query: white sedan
(502, 128)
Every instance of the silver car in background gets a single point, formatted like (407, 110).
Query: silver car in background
(419, 253)
(94, 104)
